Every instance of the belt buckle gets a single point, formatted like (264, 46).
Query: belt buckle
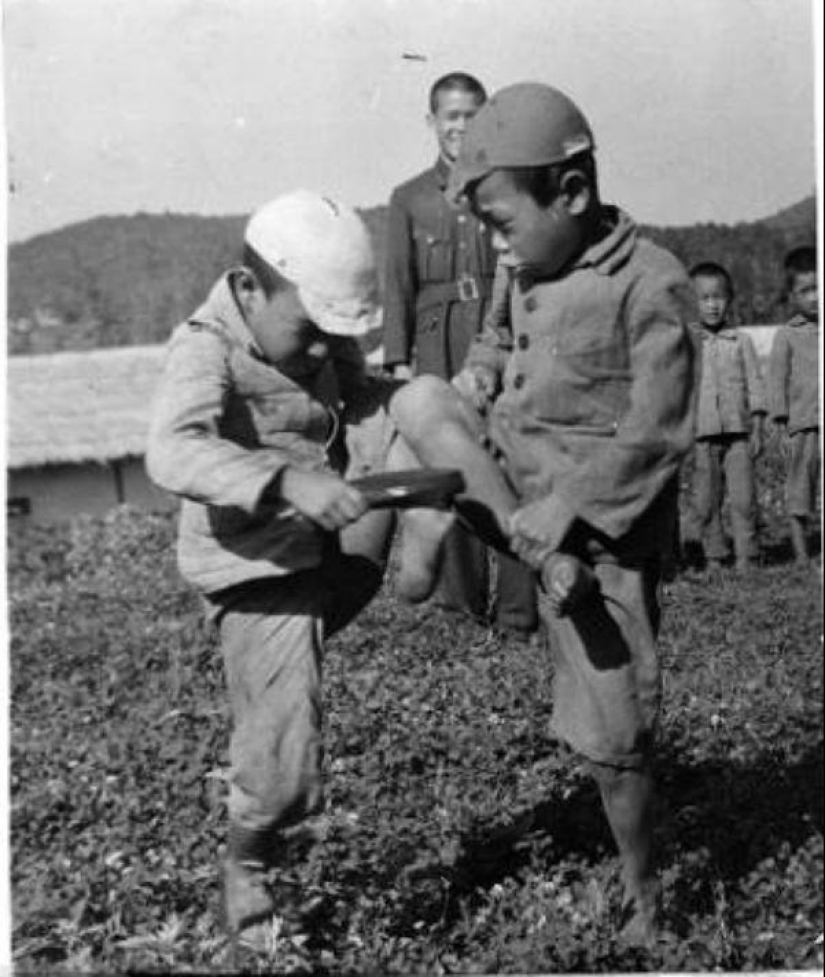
(467, 288)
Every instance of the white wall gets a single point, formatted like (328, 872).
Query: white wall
(140, 491)
(762, 337)
(58, 492)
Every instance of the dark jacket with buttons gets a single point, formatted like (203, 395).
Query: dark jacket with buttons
(598, 391)
(438, 257)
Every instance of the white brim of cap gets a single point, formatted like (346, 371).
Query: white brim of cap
(341, 317)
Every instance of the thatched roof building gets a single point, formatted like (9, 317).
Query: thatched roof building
(71, 408)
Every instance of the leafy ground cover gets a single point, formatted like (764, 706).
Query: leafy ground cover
(459, 837)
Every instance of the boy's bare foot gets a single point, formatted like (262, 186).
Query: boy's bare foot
(640, 929)
(421, 550)
(639, 917)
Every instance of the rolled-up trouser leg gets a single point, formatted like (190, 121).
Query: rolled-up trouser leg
(271, 637)
(707, 496)
(464, 582)
(606, 684)
(742, 493)
(802, 480)
(272, 633)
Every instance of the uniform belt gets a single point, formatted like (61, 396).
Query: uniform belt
(465, 288)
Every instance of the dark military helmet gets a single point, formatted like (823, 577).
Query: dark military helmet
(528, 124)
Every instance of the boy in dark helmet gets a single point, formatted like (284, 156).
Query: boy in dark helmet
(592, 412)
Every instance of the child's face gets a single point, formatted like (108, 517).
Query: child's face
(523, 231)
(288, 338)
(713, 300)
(449, 121)
(804, 295)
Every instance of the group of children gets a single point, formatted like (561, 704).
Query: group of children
(734, 400)
(265, 413)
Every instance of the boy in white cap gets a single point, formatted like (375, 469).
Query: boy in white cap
(263, 405)
(592, 410)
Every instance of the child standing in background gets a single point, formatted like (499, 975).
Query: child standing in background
(794, 389)
(729, 421)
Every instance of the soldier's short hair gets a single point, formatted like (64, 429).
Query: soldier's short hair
(456, 81)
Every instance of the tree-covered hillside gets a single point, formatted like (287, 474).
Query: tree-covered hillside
(117, 281)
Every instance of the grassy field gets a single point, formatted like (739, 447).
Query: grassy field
(460, 837)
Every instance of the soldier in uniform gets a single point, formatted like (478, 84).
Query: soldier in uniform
(437, 291)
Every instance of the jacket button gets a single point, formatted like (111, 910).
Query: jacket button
(518, 381)
(530, 303)
(523, 341)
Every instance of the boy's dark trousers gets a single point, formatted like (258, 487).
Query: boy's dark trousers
(465, 583)
(724, 462)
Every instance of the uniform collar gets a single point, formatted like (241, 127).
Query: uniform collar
(222, 305)
(615, 245)
(606, 255)
(442, 173)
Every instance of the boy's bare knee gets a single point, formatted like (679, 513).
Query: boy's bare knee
(421, 403)
(423, 407)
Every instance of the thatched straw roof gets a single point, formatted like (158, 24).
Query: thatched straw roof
(80, 407)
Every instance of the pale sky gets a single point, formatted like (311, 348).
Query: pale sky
(703, 110)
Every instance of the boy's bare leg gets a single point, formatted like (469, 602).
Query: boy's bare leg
(798, 539)
(444, 431)
(628, 798)
(423, 532)
(439, 429)
(370, 537)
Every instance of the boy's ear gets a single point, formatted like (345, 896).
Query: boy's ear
(576, 192)
(248, 291)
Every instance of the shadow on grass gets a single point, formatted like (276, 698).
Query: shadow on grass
(718, 822)
(776, 552)
(780, 552)
(724, 820)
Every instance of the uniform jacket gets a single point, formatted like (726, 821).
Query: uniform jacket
(598, 397)
(224, 424)
(794, 374)
(438, 256)
(731, 387)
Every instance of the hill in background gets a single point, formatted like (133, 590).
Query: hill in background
(116, 281)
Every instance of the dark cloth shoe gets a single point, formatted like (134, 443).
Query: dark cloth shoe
(247, 897)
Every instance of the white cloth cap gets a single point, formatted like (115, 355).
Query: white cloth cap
(324, 248)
